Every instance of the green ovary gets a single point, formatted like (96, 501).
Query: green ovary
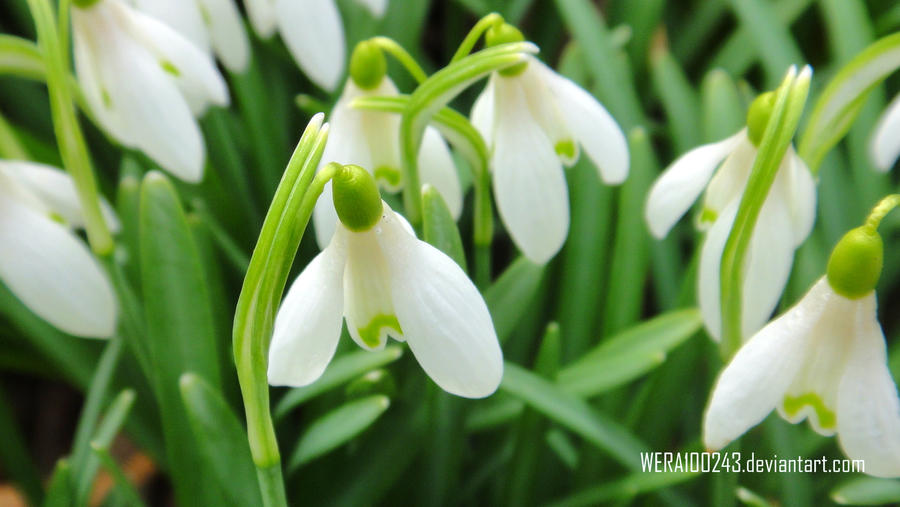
(369, 333)
(793, 405)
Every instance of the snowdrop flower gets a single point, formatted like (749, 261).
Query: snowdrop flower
(212, 25)
(384, 282)
(145, 83)
(885, 145)
(42, 261)
(312, 31)
(784, 222)
(824, 360)
(534, 121)
(371, 139)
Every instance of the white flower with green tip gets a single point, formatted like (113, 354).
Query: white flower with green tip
(145, 83)
(384, 282)
(823, 360)
(722, 170)
(534, 121)
(42, 261)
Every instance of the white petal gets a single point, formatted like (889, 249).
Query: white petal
(593, 127)
(325, 217)
(759, 374)
(192, 68)
(314, 34)
(181, 15)
(482, 115)
(52, 272)
(529, 184)
(227, 34)
(57, 189)
(437, 168)
(885, 147)
(444, 317)
(536, 82)
(308, 324)
(868, 408)
(682, 182)
(376, 7)
(262, 17)
(728, 183)
(709, 274)
(802, 196)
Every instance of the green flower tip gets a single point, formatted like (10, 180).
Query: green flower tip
(356, 198)
(84, 4)
(758, 116)
(504, 33)
(368, 65)
(855, 263)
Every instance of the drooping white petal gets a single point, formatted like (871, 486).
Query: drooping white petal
(181, 15)
(708, 276)
(728, 183)
(536, 82)
(52, 272)
(593, 127)
(436, 167)
(758, 375)
(802, 196)
(57, 190)
(381, 137)
(868, 413)
(529, 184)
(262, 16)
(376, 7)
(324, 217)
(370, 314)
(682, 182)
(444, 317)
(308, 324)
(191, 67)
(314, 34)
(885, 144)
(226, 33)
(482, 115)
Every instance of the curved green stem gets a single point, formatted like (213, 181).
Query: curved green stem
(401, 55)
(465, 47)
(881, 210)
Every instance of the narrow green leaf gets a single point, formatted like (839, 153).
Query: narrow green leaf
(508, 297)
(123, 485)
(222, 441)
(336, 428)
(629, 354)
(59, 492)
(20, 57)
(439, 227)
(769, 35)
(107, 430)
(867, 491)
(625, 488)
(678, 98)
(561, 445)
(724, 113)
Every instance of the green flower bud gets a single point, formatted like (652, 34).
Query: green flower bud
(758, 116)
(368, 65)
(356, 198)
(503, 34)
(855, 263)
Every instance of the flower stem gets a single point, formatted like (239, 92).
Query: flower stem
(483, 24)
(881, 209)
(72, 146)
(401, 55)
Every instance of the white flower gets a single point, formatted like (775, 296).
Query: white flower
(312, 31)
(784, 222)
(534, 123)
(371, 139)
(144, 83)
(385, 282)
(42, 261)
(885, 145)
(212, 25)
(825, 360)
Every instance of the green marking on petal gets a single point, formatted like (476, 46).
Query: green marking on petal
(370, 333)
(388, 175)
(793, 405)
(708, 215)
(565, 149)
(56, 217)
(169, 67)
(107, 99)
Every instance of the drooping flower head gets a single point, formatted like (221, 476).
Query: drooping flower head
(371, 139)
(145, 83)
(42, 261)
(534, 122)
(722, 170)
(384, 282)
(823, 360)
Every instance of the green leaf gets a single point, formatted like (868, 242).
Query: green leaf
(14, 457)
(625, 488)
(678, 98)
(21, 57)
(59, 492)
(337, 428)
(341, 370)
(222, 441)
(772, 39)
(867, 491)
(123, 485)
(724, 113)
(180, 333)
(110, 426)
(630, 354)
(439, 227)
(509, 296)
